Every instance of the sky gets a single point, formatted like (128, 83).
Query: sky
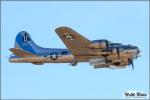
(126, 22)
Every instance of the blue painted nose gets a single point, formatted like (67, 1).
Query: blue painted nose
(137, 50)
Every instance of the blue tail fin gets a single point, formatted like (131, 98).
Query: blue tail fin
(23, 41)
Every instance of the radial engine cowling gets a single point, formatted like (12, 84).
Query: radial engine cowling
(99, 44)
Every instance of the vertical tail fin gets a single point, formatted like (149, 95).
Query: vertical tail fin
(23, 41)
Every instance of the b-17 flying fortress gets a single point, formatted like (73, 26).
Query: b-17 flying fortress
(99, 53)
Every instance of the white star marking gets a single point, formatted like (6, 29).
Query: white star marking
(53, 56)
(68, 36)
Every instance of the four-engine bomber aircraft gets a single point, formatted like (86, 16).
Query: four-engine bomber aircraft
(99, 53)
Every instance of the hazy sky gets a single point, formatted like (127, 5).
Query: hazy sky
(126, 22)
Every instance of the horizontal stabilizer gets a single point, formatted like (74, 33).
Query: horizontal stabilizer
(21, 53)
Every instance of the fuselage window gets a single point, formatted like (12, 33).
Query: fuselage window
(64, 52)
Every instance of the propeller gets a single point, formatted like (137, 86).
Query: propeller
(118, 52)
(107, 44)
(137, 55)
(131, 63)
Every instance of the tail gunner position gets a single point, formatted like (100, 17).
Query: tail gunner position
(99, 53)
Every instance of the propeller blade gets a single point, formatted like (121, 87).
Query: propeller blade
(131, 63)
(118, 52)
(106, 44)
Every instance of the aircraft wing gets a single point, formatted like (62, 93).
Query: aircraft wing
(75, 42)
(21, 53)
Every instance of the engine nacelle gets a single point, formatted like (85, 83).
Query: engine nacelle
(99, 44)
(114, 51)
(102, 66)
(97, 61)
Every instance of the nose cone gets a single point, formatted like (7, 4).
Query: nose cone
(136, 51)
